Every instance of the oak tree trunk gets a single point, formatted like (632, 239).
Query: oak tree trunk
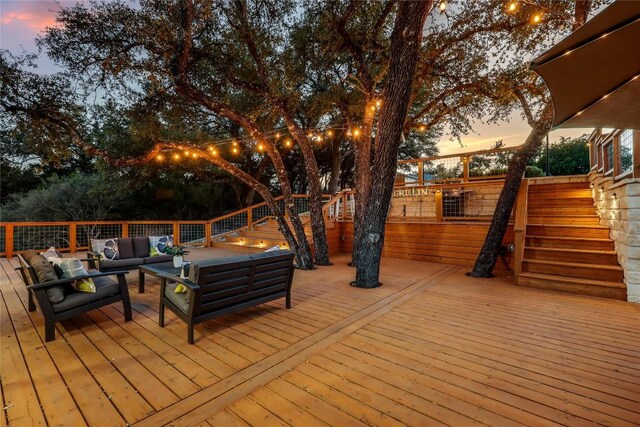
(405, 45)
(490, 251)
(336, 163)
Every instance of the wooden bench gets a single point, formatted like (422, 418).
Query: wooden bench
(226, 285)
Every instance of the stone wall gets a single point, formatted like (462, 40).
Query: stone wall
(618, 206)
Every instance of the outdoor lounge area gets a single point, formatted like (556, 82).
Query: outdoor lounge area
(429, 347)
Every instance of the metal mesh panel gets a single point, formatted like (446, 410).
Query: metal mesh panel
(488, 165)
(84, 233)
(231, 223)
(470, 202)
(260, 212)
(626, 151)
(301, 204)
(3, 245)
(192, 234)
(40, 237)
(442, 169)
(142, 230)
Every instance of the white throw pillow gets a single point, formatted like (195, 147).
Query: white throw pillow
(52, 252)
(107, 248)
(158, 243)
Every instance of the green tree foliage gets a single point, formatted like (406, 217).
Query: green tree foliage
(568, 156)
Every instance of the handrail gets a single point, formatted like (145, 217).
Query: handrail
(520, 227)
(465, 154)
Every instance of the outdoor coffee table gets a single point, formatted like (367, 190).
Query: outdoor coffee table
(162, 270)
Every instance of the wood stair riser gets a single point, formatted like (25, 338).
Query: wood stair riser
(583, 271)
(559, 231)
(560, 202)
(555, 188)
(566, 220)
(553, 242)
(569, 194)
(561, 210)
(571, 256)
(574, 288)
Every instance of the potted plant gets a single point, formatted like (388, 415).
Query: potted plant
(178, 253)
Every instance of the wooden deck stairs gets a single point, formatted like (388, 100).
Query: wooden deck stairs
(261, 236)
(565, 247)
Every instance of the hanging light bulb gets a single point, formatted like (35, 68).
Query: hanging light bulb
(160, 157)
(348, 132)
(214, 152)
(356, 133)
(319, 138)
(186, 153)
(310, 135)
(373, 108)
(235, 150)
(176, 156)
(536, 18)
(329, 133)
(260, 147)
(210, 148)
(378, 103)
(287, 143)
(235, 144)
(422, 128)
(511, 7)
(277, 135)
(443, 6)
(194, 155)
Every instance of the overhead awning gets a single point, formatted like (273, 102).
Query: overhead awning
(594, 73)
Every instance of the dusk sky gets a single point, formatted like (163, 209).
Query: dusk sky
(21, 21)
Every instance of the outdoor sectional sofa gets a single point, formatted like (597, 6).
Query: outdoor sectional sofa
(133, 252)
(226, 285)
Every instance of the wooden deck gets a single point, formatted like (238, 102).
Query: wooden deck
(430, 347)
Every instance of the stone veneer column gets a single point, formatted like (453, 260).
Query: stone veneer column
(618, 205)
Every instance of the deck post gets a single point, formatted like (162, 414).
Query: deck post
(250, 218)
(8, 240)
(207, 234)
(125, 229)
(439, 205)
(420, 173)
(176, 233)
(465, 168)
(519, 228)
(73, 241)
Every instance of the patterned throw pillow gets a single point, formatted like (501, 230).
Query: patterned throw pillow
(159, 243)
(107, 248)
(72, 267)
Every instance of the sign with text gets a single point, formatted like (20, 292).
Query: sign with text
(411, 192)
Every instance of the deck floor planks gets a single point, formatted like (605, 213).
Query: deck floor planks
(510, 381)
(51, 389)
(19, 393)
(476, 351)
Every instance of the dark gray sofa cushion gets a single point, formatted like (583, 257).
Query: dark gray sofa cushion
(179, 300)
(105, 287)
(120, 263)
(157, 259)
(125, 247)
(141, 247)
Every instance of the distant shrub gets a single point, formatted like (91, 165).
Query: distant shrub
(533, 171)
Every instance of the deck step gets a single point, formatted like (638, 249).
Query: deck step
(583, 193)
(557, 187)
(539, 201)
(604, 272)
(567, 230)
(597, 288)
(564, 219)
(589, 256)
(561, 210)
(590, 243)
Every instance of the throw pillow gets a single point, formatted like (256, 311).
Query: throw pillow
(52, 252)
(107, 248)
(181, 289)
(46, 273)
(159, 243)
(72, 267)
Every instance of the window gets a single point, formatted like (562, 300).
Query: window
(608, 157)
(626, 151)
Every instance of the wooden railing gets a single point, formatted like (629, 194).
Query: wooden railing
(520, 227)
(462, 167)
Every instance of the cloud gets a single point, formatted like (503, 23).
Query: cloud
(27, 15)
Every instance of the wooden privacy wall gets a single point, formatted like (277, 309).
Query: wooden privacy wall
(448, 243)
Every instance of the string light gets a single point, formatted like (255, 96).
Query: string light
(277, 135)
(214, 152)
(373, 108)
(176, 156)
(443, 6)
(356, 133)
(186, 153)
(537, 17)
(194, 155)
(260, 147)
(329, 133)
(378, 103)
(422, 128)
(287, 143)
(512, 6)
(319, 138)
(235, 150)
(160, 157)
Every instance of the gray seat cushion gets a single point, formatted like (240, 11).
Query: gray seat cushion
(157, 259)
(179, 300)
(120, 263)
(105, 287)
(125, 247)
(141, 247)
